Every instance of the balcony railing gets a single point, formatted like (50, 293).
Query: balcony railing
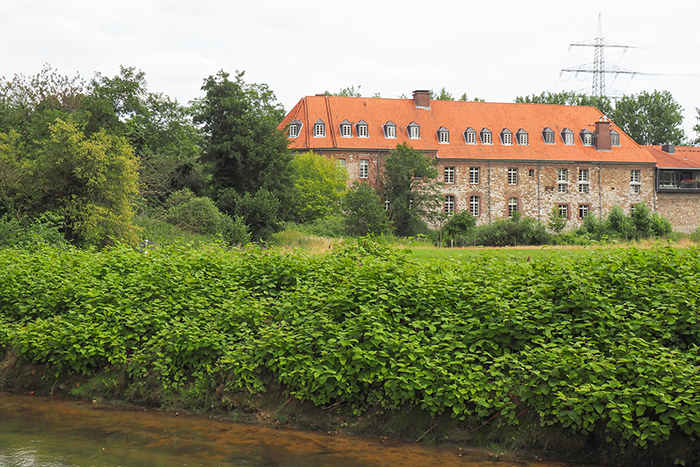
(691, 185)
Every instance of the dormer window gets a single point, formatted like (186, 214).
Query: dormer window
(470, 136)
(567, 136)
(614, 138)
(486, 137)
(586, 137)
(319, 129)
(390, 129)
(346, 129)
(295, 128)
(506, 137)
(443, 135)
(413, 130)
(362, 129)
(548, 136)
(522, 137)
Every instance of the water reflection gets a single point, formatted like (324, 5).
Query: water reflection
(42, 432)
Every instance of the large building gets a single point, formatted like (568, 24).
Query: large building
(494, 158)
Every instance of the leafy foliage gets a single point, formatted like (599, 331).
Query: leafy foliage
(320, 184)
(608, 343)
(244, 148)
(650, 118)
(569, 98)
(364, 212)
(410, 188)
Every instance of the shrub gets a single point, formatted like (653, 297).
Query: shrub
(197, 215)
(364, 211)
(514, 231)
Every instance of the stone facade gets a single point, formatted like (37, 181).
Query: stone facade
(681, 209)
(535, 188)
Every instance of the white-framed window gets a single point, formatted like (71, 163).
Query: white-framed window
(346, 130)
(474, 178)
(474, 202)
(512, 176)
(470, 136)
(341, 162)
(486, 137)
(362, 129)
(548, 136)
(443, 135)
(389, 130)
(563, 210)
(567, 136)
(449, 174)
(512, 206)
(583, 180)
(506, 137)
(449, 203)
(635, 182)
(583, 210)
(583, 175)
(562, 188)
(614, 138)
(293, 131)
(562, 175)
(319, 129)
(522, 137)
(413, 130)
(364, 168)
(586, 137)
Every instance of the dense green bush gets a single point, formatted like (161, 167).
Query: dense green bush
(639, 225)
(514, 231)
(42, 230)
(200, 215)
(608, 343)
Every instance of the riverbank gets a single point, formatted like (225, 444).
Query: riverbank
(594, 359)
(479, 444)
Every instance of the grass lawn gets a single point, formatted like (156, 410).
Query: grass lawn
(518, 254)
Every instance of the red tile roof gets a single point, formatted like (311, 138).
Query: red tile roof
(457, 116)
(684, 157)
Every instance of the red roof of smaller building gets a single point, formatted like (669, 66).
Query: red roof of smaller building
(683, 157)
(457, 116)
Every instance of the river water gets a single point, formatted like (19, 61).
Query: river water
(54, 432)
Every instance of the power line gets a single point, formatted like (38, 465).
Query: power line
(599, 68)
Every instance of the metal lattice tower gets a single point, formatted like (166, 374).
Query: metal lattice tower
(599, 68)
(598, 87)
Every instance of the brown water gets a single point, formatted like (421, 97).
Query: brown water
(45, 432)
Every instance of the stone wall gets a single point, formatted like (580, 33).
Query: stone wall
(536, 188)
(682, 209)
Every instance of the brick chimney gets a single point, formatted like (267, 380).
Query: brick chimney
(601, 138)
(422, 99)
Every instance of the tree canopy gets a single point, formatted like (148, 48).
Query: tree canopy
(409, 185)
(242, 145)
(650, 118)
(604, 104)
(319, 185)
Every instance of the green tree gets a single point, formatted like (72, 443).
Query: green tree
(364, 211)
(243, 148)
(443, 95)
(91, 181)
(410, 186)
(319, 183)
(350, 91)
(653, 119)
(556, 222)
(696, 128)
(569, 98)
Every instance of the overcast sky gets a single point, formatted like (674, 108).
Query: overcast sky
(491, 49)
